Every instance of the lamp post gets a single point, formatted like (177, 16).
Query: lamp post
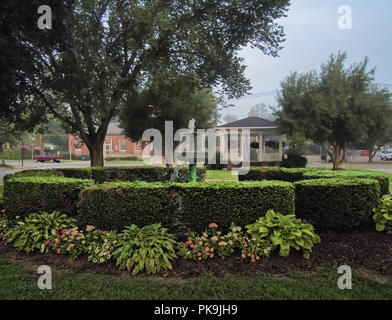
(192, 164)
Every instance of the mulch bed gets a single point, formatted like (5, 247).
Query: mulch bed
(366, 250)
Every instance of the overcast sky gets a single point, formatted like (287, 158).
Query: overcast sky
(312, 34)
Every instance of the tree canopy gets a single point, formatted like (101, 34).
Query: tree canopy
(332, 107)
(111, 49)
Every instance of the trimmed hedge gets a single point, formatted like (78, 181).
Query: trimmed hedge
(273, 173)
(227, 202)
(107, 174)
(188, 205)
(319, 174)
(298, 174)
(119, 204)
(25, 195)
(337, 204)
(78, 173)
(147, 174)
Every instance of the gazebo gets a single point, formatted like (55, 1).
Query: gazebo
(265, 138)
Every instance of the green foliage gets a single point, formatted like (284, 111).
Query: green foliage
(116, 205)
(100, 74)
(68, 241)
(169, 96)
(214, 243)
(78, 173)
(294, 175)
(122, 158)
(25, 195)
(147, 174)
(272, 173)
(294, 160)
(337, 204)
(286, 232)
(100, 244)
(231, 202)
(34, 232)
(149, 248)
(331, 107)
(181, 205)
(383, 215)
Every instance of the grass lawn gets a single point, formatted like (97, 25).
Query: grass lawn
(19, 281)
(221, 175)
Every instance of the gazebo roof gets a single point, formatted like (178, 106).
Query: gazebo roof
(251, 122)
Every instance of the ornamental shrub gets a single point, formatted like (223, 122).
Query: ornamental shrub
(25, 195)
(147, 174)
(227, 202)
(383, 215)
(36, 231)
(149, 248)
(286, 232)
(336, 204)
(184, 205)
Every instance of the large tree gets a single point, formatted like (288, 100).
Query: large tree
(21, 43)
(114, 48)
(327, 107)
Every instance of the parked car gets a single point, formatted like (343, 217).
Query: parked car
(386, 155)
(46, 158)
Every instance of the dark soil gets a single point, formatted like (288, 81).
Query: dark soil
(365, 251)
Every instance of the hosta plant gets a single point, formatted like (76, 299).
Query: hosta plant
(383, 215)
(149, 248)
(36, 229)
(285, 232)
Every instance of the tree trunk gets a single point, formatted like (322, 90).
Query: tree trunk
(2, 153)
(338, 156)
(96, 154)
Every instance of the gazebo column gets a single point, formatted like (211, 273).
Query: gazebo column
(261, 147)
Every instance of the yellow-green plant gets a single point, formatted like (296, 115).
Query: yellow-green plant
(383, 214)
(149, 248)
(286, 232)
(36, 230)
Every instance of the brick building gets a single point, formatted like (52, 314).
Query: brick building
(116, 144)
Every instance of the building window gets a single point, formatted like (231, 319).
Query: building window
(108, 146)
(123, 145)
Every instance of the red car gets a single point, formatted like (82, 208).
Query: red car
(46, 158)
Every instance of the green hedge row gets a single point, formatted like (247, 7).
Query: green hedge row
(176, 206)
(25, 195)
(147, 174)
(337, 204)
(294, 175)
(106, 174)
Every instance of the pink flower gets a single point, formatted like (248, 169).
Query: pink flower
(56, 234)
(212, 225)
(55, 245)
(58, 251)
(188, 242)
(197, 241)
(194, 250)
(47, 242)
